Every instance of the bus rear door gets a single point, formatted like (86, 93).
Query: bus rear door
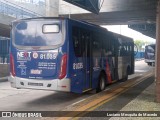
(86, 60)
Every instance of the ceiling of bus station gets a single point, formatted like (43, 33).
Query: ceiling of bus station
(140, 15)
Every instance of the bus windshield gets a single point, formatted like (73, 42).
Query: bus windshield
(37, 33)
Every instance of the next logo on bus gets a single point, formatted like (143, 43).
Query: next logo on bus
(23, 55)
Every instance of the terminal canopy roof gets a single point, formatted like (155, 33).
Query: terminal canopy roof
(148, 29)
(90, 5)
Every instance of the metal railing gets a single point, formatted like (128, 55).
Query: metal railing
(16, 11)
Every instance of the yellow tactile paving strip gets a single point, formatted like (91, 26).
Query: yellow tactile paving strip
(111, 94)
(97, 100)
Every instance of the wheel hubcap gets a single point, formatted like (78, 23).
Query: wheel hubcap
(102, 83)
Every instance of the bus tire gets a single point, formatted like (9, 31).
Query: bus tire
(101, 83)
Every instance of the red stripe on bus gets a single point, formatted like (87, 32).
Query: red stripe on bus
(109, 79)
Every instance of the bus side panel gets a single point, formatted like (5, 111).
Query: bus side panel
(96, 63)
(123, 63)
(108, 66)
(79, 80)
(97, 60)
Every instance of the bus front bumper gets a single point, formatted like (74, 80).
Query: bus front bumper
(55, 84)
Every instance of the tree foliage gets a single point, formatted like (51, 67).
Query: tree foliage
(141, 43)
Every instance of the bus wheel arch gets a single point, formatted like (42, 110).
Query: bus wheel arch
(101, 82)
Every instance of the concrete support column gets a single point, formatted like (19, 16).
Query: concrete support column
(157, 72)
(52, 8)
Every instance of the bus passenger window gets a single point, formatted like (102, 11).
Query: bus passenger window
(128, 50)
(76, 42)
(122, 51)
(106, 52)
(108, 45)
(96, 45)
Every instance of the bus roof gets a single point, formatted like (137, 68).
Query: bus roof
(62, 18)
(83, 22)
(125, 38)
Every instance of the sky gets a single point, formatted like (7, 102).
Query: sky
(124, 30)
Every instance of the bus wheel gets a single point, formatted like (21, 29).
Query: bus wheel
(101, 84)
